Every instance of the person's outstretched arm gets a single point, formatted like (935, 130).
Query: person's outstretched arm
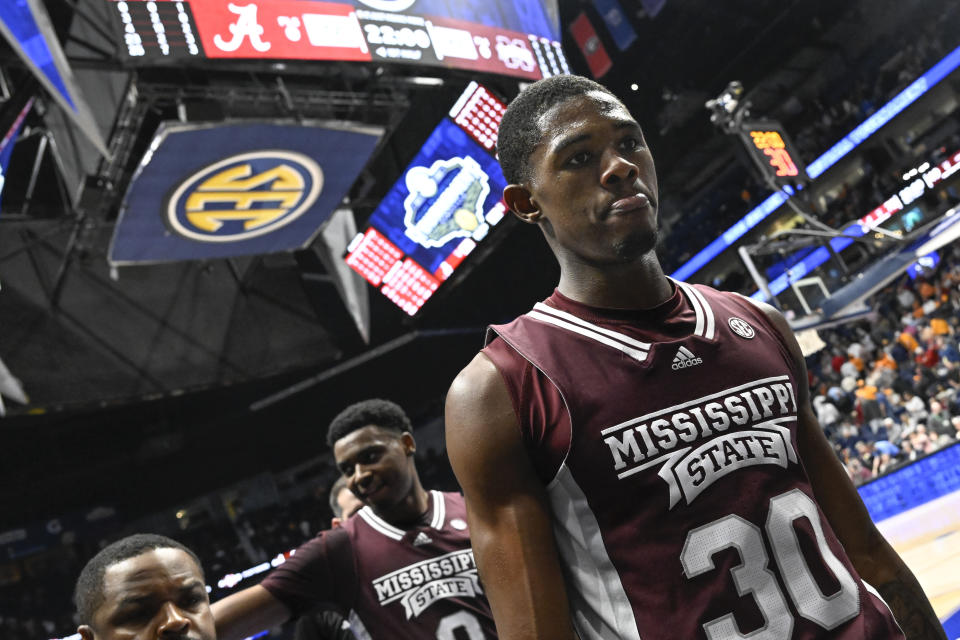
(507, 509)
(248, 612)
(875, 560)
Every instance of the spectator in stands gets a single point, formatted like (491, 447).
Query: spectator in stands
(920, 440)
(915, 406)
(827, 413)
(865, 453)
(892, 430)
(147, 587)
(939, 419)
(882, 463)
(869, 406)
(850, 370)
(955, 423)
(858, 473)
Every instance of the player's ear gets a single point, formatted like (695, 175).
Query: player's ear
(409, 444)
(521, 203)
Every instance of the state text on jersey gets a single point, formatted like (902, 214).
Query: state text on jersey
(702, 440)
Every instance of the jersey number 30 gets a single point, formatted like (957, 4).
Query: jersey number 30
(754, 577)
(461, 625)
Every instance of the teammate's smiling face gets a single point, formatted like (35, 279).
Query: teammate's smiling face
(378, 465)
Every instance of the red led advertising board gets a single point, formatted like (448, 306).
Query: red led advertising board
(314, 30)
(440, 210)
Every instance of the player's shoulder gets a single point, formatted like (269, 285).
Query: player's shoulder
(748, 304)
(339, 539)
(476, 386)
(316, 553)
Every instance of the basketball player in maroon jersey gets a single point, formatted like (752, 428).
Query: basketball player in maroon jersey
(639, 456)
(401, 567)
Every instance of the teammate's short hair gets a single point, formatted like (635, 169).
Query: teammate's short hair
(338, 486)
(88, 594)
(381, 413)
(519, 134)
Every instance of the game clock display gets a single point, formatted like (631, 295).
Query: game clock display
(154, 30)
(443, 206)
(773, 152)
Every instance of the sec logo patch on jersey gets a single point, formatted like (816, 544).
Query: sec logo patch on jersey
(244, 196)
(741, 327)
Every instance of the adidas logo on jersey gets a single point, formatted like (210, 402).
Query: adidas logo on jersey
(684, 359)
(422, 538)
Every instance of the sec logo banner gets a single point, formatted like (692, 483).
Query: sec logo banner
(244, 196)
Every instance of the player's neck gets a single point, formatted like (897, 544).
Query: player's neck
(411, 509)
(639, 285)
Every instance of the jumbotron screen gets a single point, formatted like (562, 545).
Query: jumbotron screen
(515, 38)
(434, 216)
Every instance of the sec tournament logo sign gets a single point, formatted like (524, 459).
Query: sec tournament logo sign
(445, 201)
(244, 196)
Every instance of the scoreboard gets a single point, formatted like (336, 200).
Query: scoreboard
(368, 30)
(772, 151)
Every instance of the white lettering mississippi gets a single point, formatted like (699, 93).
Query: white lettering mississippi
(417, 586)
(700, 441)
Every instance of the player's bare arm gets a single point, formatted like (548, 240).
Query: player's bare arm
(875, 560)
(507, 509)
(245, 613)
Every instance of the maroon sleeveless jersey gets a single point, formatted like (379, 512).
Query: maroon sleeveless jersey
(667, 440)
(418, 583)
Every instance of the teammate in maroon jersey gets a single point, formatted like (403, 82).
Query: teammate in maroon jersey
(639, 456)
(402, 567)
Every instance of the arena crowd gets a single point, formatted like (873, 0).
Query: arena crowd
(887, 390)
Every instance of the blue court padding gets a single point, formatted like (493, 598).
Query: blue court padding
(952, 626)
(926, 479)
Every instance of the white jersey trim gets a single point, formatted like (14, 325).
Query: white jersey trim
(439, 510)
(710, 330)
(643, 346)
(869, 587)
(595, 333)
(706, 320)
(598, 602)
(380, 525)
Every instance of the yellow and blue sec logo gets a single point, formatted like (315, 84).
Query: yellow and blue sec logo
(244, 196)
